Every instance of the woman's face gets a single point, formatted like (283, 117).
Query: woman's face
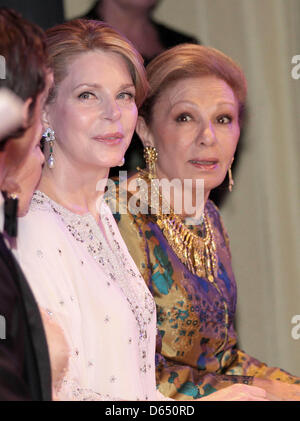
(94, 113)
(195, 129)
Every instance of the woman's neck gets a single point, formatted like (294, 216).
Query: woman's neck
(187, 199)
(77, 189)
(189, 205)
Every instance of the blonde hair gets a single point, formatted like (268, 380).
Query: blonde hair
(68, 40)
(190, 61)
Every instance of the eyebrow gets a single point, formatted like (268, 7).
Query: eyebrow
(97, 86)
(193, 103)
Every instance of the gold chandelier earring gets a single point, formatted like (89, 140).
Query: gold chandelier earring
(231, 180)
(150, 156)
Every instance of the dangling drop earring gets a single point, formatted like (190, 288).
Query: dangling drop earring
(150, 156)
(231, 180)
(122, 162)
(49, 136)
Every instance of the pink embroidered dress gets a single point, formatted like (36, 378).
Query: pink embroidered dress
(99, 315)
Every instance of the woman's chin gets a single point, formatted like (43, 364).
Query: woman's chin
(211, 183)
(117, 163)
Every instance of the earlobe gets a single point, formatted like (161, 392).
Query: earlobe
(26, 113)
(144, 132)
(45, 119)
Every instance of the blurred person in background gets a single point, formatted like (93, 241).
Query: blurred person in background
(24, 359)
(133, 18)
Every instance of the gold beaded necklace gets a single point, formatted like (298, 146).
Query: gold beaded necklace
(197, 253)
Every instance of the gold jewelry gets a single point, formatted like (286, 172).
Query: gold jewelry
(197, 253)
(150, 156)
(231, 181)
(13, 196)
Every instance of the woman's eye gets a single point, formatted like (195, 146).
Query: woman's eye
(86, 95)
(127, 96)
(224, 119)
(183, 118)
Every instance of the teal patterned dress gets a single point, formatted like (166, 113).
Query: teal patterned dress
(197, 351)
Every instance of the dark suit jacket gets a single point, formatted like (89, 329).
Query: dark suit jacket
(24, 360)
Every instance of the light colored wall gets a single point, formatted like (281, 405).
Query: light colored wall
(74, 8)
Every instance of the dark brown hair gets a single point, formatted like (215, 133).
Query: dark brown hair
(23, 46)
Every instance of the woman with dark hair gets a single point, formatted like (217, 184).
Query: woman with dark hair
(190, 126)
(24, 360)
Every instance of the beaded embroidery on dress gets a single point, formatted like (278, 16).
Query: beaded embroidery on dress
(84, 229)
(107, 252)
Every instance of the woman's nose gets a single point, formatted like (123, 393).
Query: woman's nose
(111, 110)
(207, 135)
